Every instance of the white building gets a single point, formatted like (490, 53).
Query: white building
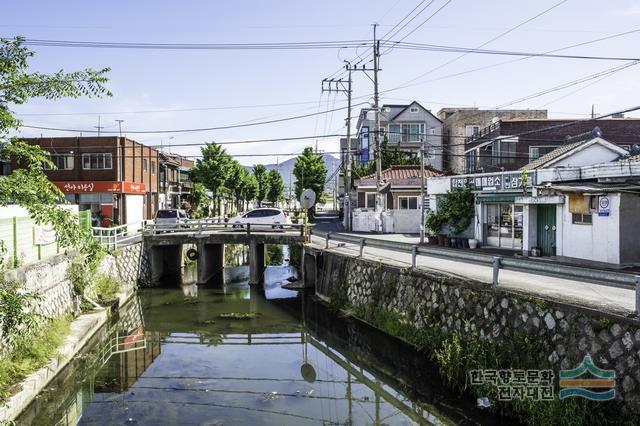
(579, 201)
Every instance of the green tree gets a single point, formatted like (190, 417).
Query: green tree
(250, 188)
(211, 170)
(261, 174)
(310, 173)
(28, 185)
(199, 200)
(276, 186)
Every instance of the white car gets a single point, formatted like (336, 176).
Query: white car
(263, 218)
(170, 218)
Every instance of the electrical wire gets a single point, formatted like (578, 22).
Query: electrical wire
(203, 129)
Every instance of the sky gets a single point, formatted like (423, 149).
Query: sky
(214, 88)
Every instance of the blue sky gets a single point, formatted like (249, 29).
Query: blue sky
(152, 80)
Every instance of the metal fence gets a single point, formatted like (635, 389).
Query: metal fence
(611, 278)
(20, 243)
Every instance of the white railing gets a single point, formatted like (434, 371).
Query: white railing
(116, 236)
(199, 226)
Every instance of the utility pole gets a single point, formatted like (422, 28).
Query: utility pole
(99, 127)
(376, 99)
(422, 189)
(120, 126)
(347, 169)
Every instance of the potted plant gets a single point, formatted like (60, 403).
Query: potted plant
(435, 222)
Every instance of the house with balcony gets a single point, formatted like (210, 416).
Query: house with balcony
(404, 127)
(509, 144)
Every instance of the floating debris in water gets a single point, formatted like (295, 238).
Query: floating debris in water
(270, 396)
(239, 315)
(209, 322)
(484, 402)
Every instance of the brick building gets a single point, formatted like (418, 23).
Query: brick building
(461, 123)
(512, 143)
(113, 176)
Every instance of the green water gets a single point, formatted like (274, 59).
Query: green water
(243, 356)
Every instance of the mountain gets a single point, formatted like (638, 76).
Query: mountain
(286, 170)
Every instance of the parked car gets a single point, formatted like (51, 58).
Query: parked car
(170, 218)
(262, 218)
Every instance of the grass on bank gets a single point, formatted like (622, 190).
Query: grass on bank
(106, 287)
(31, 353)
(454, 354)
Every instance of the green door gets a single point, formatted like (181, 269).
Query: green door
(547, 229)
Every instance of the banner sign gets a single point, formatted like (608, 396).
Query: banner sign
(44, 235)
(506, 181)
(101, 186)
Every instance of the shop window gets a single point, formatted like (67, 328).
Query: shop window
(97, 161)
(407, 203)
(581, 219)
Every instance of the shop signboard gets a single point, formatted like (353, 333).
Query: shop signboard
(502, 181)
(79, 187)
(604, 205)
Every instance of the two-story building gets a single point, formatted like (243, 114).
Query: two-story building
(461, 123)
(510, 144)
(115, 177)
(403, 126)
(174, 180)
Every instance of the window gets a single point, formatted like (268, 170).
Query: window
(507, 151)
(407, 203)
(153, 167)
(581, 219)
(412, 132)
(394, 134)
(536, 152)
(144, 165)
(471, 130)
(96, 161)
(62, 161)
(370, 200)
(413, 110)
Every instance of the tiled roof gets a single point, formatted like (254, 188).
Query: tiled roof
(632, 159)
(401, 175)
(541, 161)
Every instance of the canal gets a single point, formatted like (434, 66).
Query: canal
(243, 355)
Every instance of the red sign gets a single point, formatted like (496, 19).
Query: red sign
(99, 186)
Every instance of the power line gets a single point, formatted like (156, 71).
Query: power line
(203, 129)
(485, 43)
(606, 72)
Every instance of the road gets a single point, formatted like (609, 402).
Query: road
(596, 296)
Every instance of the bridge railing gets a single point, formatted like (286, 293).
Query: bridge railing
(117, 236)
(200, 226)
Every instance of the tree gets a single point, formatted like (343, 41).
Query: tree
(260, 172)
(199, 200)
(212, 171)
(250, 188)
(310, 173)
(276, 186)
(28, 185)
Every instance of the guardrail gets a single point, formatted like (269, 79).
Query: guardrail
(116, 236)
(215, 224)
(618, 279)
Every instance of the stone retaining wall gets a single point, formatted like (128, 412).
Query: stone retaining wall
(565, 333)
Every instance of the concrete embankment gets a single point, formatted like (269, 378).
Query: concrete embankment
(531, 331)
(49, 279)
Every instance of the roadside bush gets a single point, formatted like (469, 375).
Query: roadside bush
(105, 287)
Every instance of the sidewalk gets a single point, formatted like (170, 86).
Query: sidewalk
(595, 296)
(558, 260)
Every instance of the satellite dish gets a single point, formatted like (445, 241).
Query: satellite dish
(307, 198)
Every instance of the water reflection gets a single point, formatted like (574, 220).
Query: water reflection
(242, 356)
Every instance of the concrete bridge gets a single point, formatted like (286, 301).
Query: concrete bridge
(165, 247)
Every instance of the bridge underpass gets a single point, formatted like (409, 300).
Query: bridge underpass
(166, 251)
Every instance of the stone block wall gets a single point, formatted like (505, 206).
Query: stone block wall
(564, 333)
